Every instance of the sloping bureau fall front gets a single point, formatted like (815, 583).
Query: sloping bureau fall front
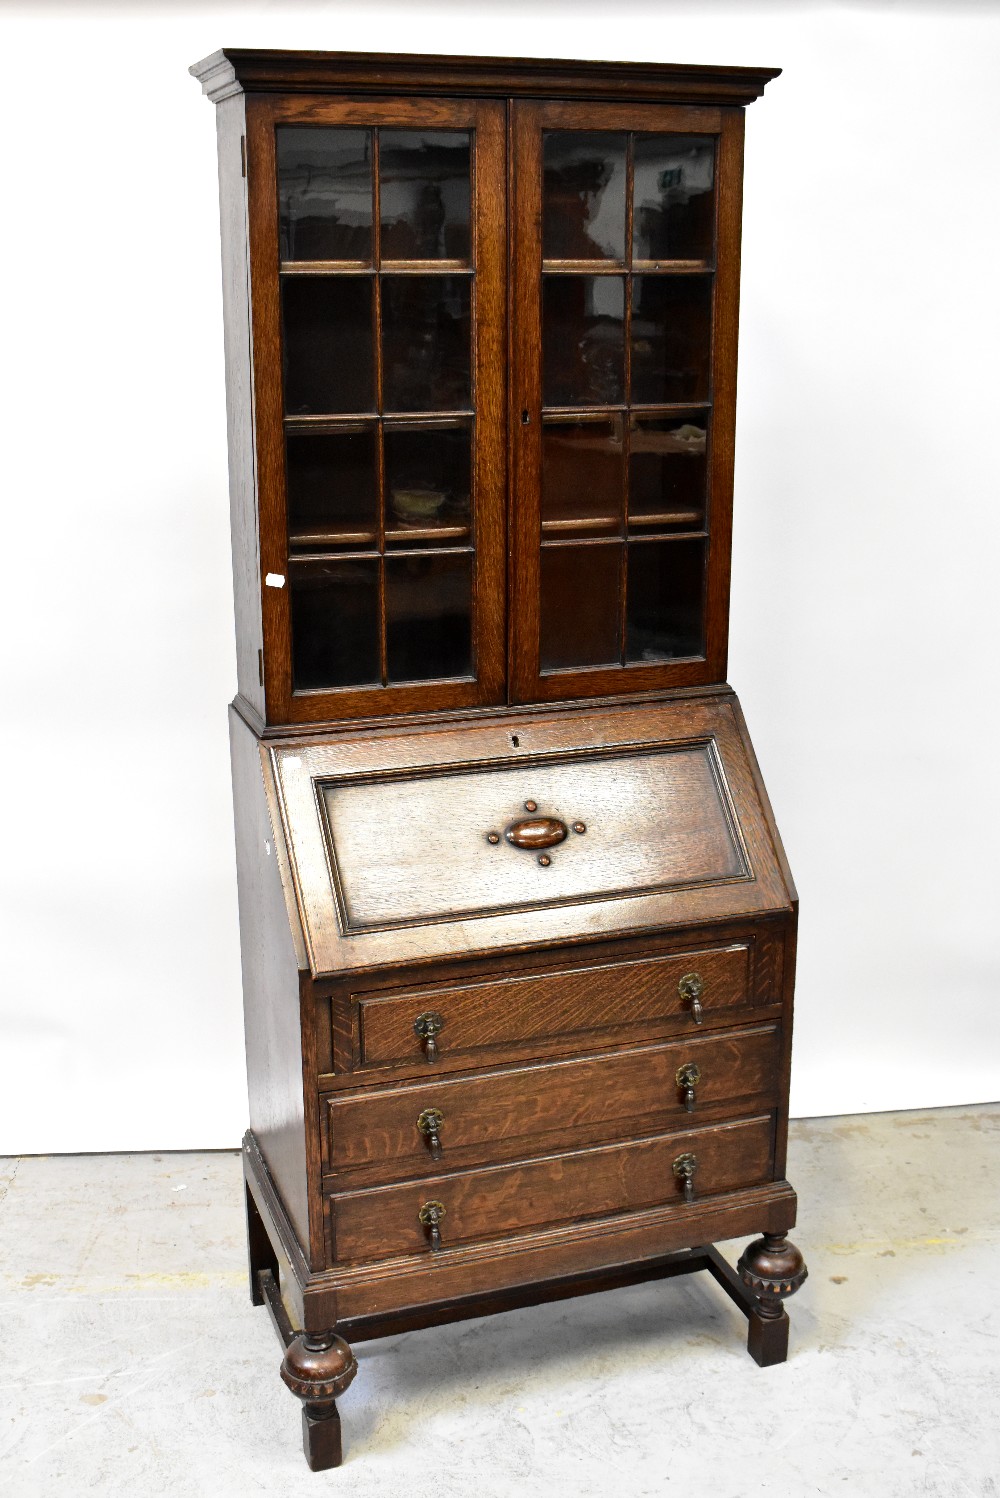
(518, 934)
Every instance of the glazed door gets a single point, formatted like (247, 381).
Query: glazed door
(622, 403)
(378, 242)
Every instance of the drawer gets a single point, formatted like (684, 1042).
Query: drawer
(585, 1005)
(557, 1105)
(505, 1199)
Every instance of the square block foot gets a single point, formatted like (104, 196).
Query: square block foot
(767, 1341)
(321, 1441)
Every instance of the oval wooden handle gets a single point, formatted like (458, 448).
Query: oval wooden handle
(536, 832)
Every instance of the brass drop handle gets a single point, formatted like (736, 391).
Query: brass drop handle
(430, 1216)
(687, 1078)
(691, 987)
(429, 1123)
(684, 1169)
(428, 1027)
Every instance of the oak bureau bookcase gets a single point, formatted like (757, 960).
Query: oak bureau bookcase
(518, 934)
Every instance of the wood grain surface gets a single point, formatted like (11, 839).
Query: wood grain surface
(231, 130)
(618, 997)
(271, 958)
(466, 1280)
(538, 1108)
(491, 1203)
(652, 821)
(716, 799)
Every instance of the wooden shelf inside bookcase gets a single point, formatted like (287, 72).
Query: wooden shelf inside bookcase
(312, 539)
(599, 267)
(608, 523)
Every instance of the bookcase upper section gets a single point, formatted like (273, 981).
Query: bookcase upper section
(481, 323)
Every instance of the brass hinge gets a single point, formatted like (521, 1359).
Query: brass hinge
(243, 155)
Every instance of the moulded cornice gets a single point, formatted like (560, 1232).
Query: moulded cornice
(234, 70)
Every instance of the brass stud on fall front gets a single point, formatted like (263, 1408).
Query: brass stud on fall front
(531, 805)
(493, 837)
(544, 860)
(579, 827)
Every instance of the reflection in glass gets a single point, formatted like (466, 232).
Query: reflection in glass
(671, 338)
(583, 475)
(428, 616)
(428, 472)
(332, 487)
(426, 343)
(424, 194)
(580, 606)
(335, 629)
(324, 193)
(665, 596)
(584, 196)
(667, 469)
(327, 344)
(673, 205)
(583, 340)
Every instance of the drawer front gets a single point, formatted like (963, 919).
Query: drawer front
(538, 1108)
(578, 1002)
(492, 1203)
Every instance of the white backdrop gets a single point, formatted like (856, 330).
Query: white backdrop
(865, 573)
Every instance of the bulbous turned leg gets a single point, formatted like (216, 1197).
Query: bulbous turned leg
(772, 1269)
(318, 1367)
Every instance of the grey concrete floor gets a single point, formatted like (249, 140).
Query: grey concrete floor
(134, 1364)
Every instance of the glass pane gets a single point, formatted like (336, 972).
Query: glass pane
(327, 345)
(671, 338)
(583, 340)
(582, 475)
(580, 613)
(665, 600)
(428, 472)
(424, 194)
(334, 624)
(324, 193)
(673, 210)
(584, 196)
(426, 342)
(332, 487)
(667, 469)
(428, 617)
